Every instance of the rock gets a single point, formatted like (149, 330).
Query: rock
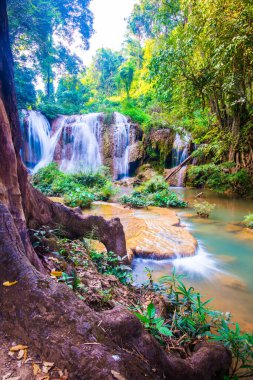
(154, 233)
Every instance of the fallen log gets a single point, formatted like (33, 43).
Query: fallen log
(177, 168)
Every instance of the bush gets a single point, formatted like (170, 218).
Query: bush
(136, 200)
(77, 189)
(248, 220)
(203, 209)
(221, 178)
(155, 192)
(79, 198)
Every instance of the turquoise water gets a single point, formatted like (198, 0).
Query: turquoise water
(223, 266)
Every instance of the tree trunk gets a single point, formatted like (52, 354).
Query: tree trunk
(49, 316)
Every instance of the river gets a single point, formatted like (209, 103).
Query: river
(223, 267)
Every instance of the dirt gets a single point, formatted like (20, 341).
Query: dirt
(30, 366)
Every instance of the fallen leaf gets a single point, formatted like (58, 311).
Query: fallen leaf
(25, 355)
(36, 369)
(56, 273)
(117, 375)
(18, 348)
(8, 283)
(14, 378)
(20, 354)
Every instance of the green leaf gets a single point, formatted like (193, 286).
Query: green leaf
(165, 331)
(151, 310)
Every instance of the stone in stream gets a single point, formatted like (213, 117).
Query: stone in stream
(152, 233)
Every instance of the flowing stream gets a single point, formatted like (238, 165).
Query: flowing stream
(222, 268)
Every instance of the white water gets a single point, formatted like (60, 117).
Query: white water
(81, 139)
(75, 142)
(36, 136)
(180, 152)
(121, 146)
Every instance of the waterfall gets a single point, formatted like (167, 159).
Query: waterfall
(36, 138)
(75, 142)
(180, 150)
(81, 141)
(121, 146)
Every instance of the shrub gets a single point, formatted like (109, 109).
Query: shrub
(155, 192)
(203, 209)
(79, 198)
(77, 189)
(248, 220)
(136, 200)
(221, 178)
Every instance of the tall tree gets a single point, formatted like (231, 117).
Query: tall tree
(44, 32)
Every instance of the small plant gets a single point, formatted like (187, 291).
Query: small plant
(248, 221)
(203, 209)
(155, 325)
(109, 263)
(134, 201)
(241, 347)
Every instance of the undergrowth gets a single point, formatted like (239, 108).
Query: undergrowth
(222, 178)
(155, 192)
(188, 320)
(78, 190)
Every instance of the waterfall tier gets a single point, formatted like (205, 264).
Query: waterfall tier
(78, 142)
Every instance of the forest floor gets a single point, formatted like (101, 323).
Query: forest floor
(20, 363)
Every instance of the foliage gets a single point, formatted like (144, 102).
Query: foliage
(109, 263)
(203, 209)
(241, 346)
(248, 220)
(55, 26)
(190, 320)
(221, 178)
(155, 192)
(155, 325)
(79, 198)
(79, 189)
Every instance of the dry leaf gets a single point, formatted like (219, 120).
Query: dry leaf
(18, 348)
(56, 273)
(8, 283)
(25, 355)
(117, 375)
(36, 369)
(20, 354)
(14, 378)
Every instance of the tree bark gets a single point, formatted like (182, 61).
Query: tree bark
(48, 316)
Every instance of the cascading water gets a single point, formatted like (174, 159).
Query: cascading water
(121, 146)
(180, 152)
(74, 142)
(36, 138)
(81, 142)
